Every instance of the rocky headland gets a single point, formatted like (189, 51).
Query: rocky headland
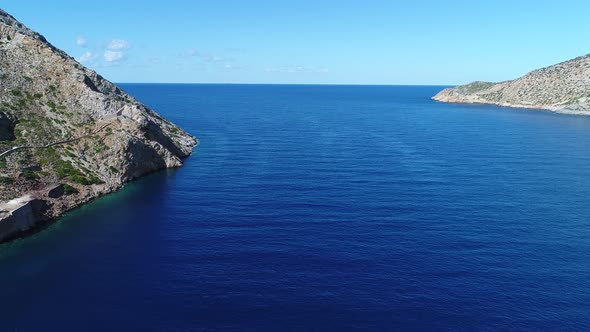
(67, 135)
(562, 88)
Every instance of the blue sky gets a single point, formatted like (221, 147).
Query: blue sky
(317, 42)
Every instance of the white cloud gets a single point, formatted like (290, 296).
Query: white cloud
(214, 58)
(113, 56)
(154, 60)
(207, 57)
(86, 57)
(118, 45)
(193, 52)
(211, 60)
(296, 69)
(232, 67)
(81, 41)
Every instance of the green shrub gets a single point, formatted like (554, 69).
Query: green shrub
(69, 190)
(86, 181)
(64, 169)
(30, 175)
(20, 104)
(80, 179)
(6, 180)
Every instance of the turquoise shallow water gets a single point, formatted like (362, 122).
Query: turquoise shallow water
(325, 208)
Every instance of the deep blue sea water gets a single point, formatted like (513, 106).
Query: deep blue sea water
(325, 208)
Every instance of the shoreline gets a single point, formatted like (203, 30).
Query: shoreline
(543, 108)
(35, 211)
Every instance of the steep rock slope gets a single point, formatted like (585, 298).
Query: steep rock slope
(564, 87)
(48, 97)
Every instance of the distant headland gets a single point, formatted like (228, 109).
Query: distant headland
(562, 88)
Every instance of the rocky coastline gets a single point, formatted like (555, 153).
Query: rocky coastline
(68, 135)
(561, 88)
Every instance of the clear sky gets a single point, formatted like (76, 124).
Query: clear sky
(317, 42)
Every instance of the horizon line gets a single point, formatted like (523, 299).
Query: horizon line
(303, 84)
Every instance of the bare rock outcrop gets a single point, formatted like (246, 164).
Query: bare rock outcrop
(564, 88)
(46, 96)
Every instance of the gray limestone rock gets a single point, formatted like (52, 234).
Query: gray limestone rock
(563, 88)
(46, 96)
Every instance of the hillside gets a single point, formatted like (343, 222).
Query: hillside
(67, 135)
(564, 88)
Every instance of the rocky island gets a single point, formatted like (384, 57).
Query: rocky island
(563, 88)
(67, 135)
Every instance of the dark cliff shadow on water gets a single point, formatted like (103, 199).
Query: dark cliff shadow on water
(119, 205)
(77, 243)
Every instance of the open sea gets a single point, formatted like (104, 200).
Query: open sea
(325, 208)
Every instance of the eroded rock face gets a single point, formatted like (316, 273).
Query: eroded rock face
(564, 87)
(21, 215)
(46, 96)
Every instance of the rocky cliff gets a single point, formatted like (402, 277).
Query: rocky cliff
(67, 135)
(564, 88)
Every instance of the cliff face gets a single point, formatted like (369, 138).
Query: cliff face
(47, 97)
(564, 87)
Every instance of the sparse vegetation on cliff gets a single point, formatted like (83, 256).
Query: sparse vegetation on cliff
(46, 97)
(564, 87)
